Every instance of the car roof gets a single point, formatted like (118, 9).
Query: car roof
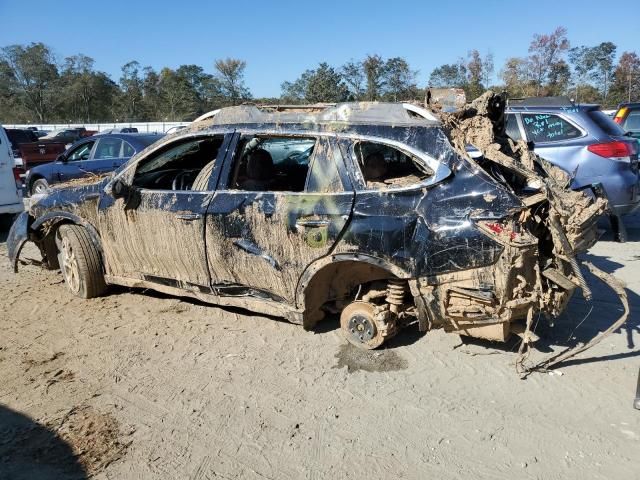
(629, 104)
(131, 137)
(372, 113)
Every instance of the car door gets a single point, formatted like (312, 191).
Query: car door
(106, 157)
(71, 165)
(266, 225)
(156, 233)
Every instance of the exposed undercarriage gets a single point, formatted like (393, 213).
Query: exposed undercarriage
(537, 271)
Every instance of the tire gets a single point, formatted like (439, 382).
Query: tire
(39, 185)
(80, 262)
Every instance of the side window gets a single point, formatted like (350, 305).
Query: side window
(513, 131)
(277, 164)
(127, 150)
(108, 148)
(546, 127)
(632, 122)
(186, 165)
(383, 166)
(81, 152)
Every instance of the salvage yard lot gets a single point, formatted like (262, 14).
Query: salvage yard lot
(144, 385)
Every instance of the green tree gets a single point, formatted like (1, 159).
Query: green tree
(400, 80)
(296, 91)
(487, 69)
(31, 74)
(474, 75)
(582, 63)
(131, 89)
(230, 73)
(325, 85)
(449, 75)
(374, 70)
(179, 97)
(603, 56)
(626, 83)
(558, 79)
(545, 51)
(516, 78)
(353, 75)
(88, 95)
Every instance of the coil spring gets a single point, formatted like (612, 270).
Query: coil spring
(395, 291)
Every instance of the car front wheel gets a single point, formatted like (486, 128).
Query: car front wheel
(80, 262)
(39, 186)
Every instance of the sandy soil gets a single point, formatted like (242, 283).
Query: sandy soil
(141, 385)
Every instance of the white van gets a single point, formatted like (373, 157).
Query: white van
(10, 185)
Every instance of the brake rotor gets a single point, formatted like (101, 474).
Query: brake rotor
(359, 325)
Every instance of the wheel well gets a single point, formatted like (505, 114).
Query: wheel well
(334, 282)
(47, 244)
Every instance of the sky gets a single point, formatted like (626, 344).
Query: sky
(281, 39)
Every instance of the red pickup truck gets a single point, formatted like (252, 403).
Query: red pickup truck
(48, 148)
(37, 153)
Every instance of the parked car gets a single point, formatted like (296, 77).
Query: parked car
(17, 137)
(584, 142)
(66, 136)
(628, 117)
(92, 155)
(384, 221)
(118, 130)
(10, 183)
(38, 153)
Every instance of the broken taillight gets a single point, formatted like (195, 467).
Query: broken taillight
(499, 229)
(616, 149)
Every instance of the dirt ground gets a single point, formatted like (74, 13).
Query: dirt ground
(141, 385)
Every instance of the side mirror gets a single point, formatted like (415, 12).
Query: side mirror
(119, 189)
(61, 158)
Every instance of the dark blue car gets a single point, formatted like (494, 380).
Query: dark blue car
(92, 155)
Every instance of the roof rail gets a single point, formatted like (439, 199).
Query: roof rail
(385, 112)
(541, 102)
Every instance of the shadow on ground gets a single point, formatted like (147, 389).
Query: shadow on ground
(31, 451)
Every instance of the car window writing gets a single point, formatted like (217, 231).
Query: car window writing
(545, 127)
(272, 164)
(81, 153)
(383, 166)
(108, 148)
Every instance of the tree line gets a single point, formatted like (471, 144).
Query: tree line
(36, 87)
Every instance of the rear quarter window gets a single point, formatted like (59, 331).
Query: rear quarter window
(632, 122)
(547, 127)
(605, 122)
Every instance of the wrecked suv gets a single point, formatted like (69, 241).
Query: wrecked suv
(372, 211)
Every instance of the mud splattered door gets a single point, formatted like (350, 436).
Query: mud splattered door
(157, 234)
(263, 240)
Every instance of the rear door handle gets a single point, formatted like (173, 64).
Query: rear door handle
(189, 216)
(312, 223)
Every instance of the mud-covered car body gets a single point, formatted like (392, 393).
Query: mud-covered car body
(454, 245)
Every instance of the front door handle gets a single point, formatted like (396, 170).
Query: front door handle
(312, 223)
(188, 216)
